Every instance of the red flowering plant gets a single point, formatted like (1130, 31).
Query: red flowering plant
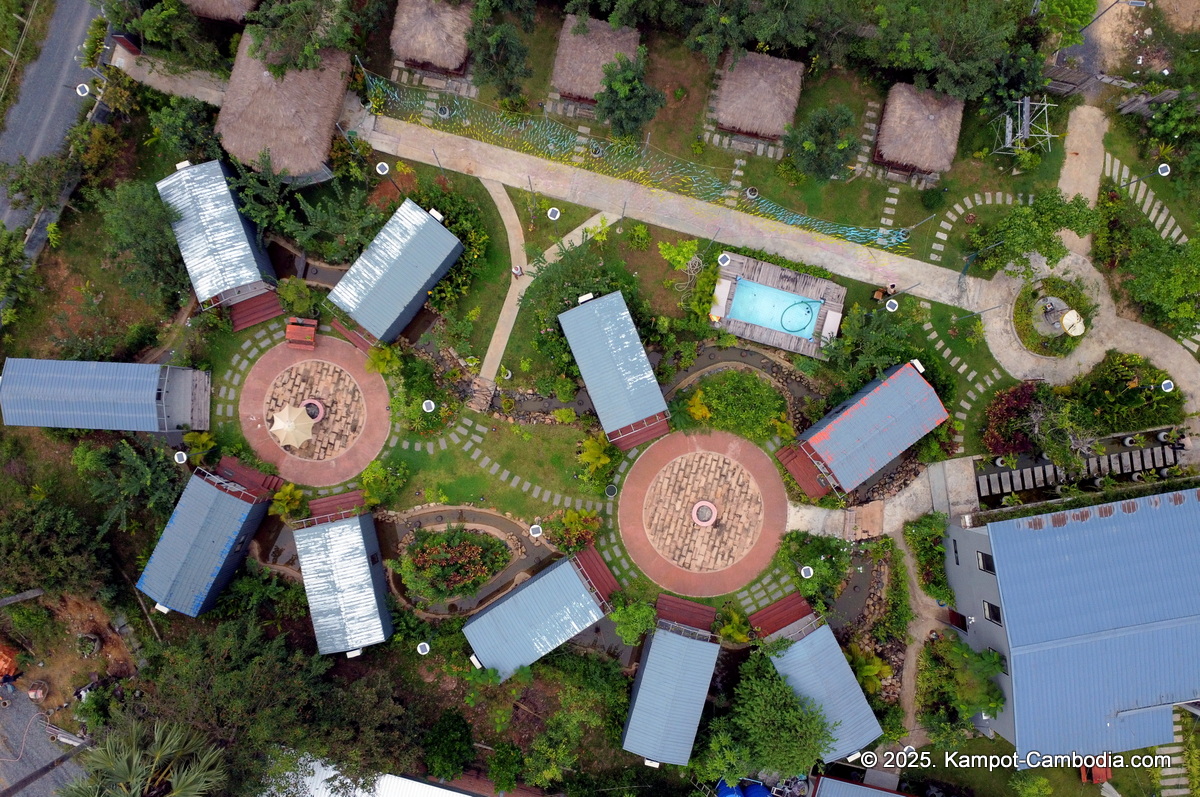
(1006, 419)
(442, 564)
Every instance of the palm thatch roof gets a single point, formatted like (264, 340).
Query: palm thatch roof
(759, 95)
(234, 10)
(432, 34)
(293, 117)
(579, 63)
(919, 129)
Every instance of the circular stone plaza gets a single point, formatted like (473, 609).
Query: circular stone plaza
(702, 514)
(317, 415)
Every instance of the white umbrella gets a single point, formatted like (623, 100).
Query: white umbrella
(292, 426)
(1073, 324)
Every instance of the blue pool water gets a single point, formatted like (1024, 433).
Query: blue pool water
(772, 308)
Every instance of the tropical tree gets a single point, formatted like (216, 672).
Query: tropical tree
(448, 746)
(500, 56)
(171, 25)
(679, 255)
(505, 765)
(633, 618)
(129, 483)
(721, 26)
(137, 224)
(183, 125)
(298, 298)
(165, 759)
(869, 669)
(824, 144)
(781, 731)
(1066, 17)
(290, 34)
(1034, 228)
(732, 625)
(338, 227)
(47, 544)
(383, 359)
(199, 445)
(628, 103)
(265, 195)
(594, 453)
(35, 185)
(288, 502)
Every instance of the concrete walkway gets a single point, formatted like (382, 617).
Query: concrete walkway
(516, 253)
(665, 209)
(1081, 171)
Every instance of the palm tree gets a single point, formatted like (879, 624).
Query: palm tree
(137, 760)
(869, 669)
(288, 502)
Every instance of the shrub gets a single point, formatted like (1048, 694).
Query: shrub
(441, 564)
(829, 558)
(933, 199)
(926, 537)
(298, 299)
(449, 746)
(824, 144)
(736, 401)
(954, 683)
(565, 389)
(633, 618)
(1006, 414)
(1027, 783)
(638, 237)
(504, 765)
(382, 484)
(898, 613)
(574, 531)
(565, 415)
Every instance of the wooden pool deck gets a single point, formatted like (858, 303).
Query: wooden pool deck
(829, 317)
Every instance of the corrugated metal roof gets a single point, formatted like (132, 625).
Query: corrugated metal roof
(199, 549)
(876, 425)
(613, 361)
(389, 283)
(668, 697)
(70, 394)
(829, 787)
(318, 784)
(815, 668)
(1102, 614)
(345, 588)
(218, 245)
(533, 619)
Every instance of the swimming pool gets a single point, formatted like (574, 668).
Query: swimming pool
(772, 308)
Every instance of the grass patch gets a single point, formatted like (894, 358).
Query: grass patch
(540, 233)
(485, 297)
(1029, 302)
(1124, 142)
(679, 126)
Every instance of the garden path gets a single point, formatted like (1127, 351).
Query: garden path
(1081, 171)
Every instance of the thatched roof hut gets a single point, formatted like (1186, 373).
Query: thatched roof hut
(233, 10)
(293, 118)
(579, 63)
(758, 97)
(432, 35)
(919, 130)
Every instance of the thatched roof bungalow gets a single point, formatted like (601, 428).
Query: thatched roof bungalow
(293, 118)
(579, 63)
(919, 130)
(758, 97)
(432, 35)
(232, 10)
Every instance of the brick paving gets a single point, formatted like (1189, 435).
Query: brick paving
(634, 512)
(336, 389)
(704, 476)
(375, 425)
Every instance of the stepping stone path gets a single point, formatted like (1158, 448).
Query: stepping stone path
(961, 367)
(961, 208)
(889, 207)
(1141, 193)
(870, 127)
(1174, 782)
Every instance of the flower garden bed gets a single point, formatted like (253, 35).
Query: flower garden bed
(439, 565)
(1069, 291)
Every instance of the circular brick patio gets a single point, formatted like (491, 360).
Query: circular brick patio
(347, 439)
(666, 482)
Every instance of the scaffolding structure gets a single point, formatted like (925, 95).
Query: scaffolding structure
(1024, 127)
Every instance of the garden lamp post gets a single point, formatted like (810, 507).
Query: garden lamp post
(383, 170)
(554, 214)
(1133, 3)
(1167, 386)
(1163, 170)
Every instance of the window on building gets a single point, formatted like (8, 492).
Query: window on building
(374, 558)
(955, 544)
(992, 612)
(986, 563)
(1003, 660)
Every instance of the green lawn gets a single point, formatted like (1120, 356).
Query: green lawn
(490, 287)
(1121, 142)
(541, 233)
(455, 473)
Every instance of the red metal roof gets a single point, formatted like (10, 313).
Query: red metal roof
(685, 612)
(261, 485)
(255, 310)
(780, 614)
(360, 341)
(634, 434)
(797, 460)
(592, 564)
(335, 507)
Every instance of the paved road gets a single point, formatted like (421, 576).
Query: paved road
(47, 105)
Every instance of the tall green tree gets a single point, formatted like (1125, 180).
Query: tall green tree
(781, 731)
(1027, 229)
(501, 57)
(129, 483)
(1066, 17)
(339, 227)
(185, 126)
(290, 34)
(823, 145)
(248, 693)
(137, 224)
(721, 27)
(266, 195)
(448, 746)
(364, 728)
(37, 184)
(165, 759)
(47, 544)
(172, 26)
(627, 102)
(1164, 278)
(17, 280)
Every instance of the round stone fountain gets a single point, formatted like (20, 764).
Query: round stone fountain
(704, 514)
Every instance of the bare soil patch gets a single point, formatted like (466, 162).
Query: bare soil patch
(1183, 15)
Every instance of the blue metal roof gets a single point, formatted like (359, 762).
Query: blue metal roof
(1102, 614)
(201, 547)
(345, 588)
(876, 425)
(533, 619)
(613, 361)
(390, 281)
(815, 668)
(830, 787)
(219, 247)
(71, 394)
(668, 697)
